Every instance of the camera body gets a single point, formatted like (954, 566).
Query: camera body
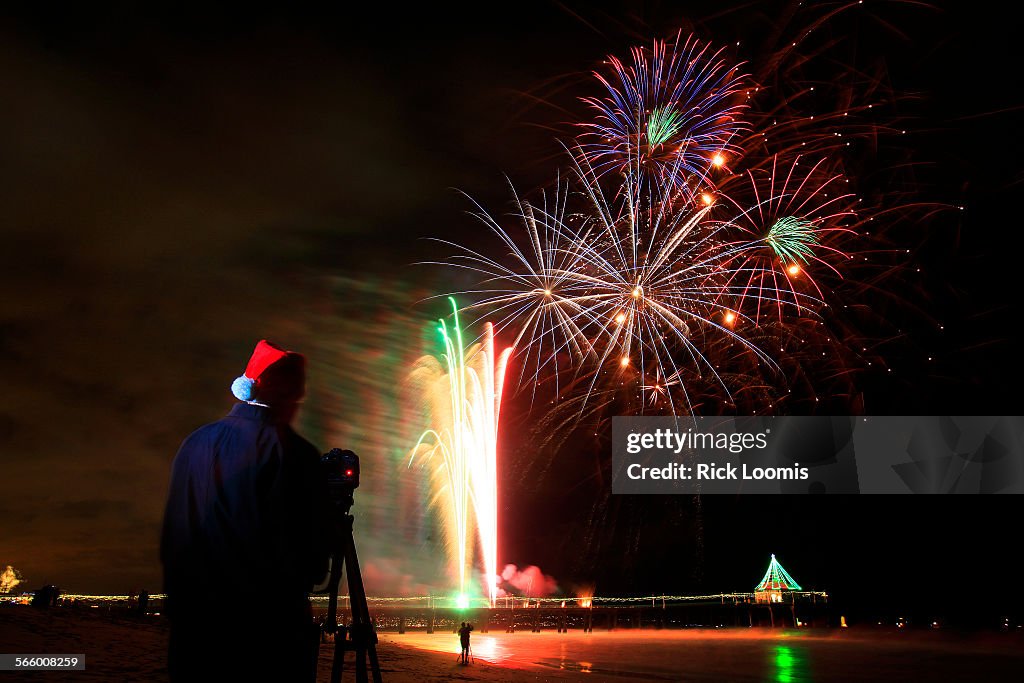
(341, 471)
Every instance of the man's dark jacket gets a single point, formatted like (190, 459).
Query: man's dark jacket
(245, 532)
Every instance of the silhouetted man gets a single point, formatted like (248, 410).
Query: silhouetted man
(143, 602)
(245, 534)
(464, 639)
(46, 597)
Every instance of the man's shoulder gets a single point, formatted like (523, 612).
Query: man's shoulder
(209, 429)
(300, 444)
(207, 434)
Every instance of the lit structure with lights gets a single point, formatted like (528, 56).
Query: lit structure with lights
(775, 584)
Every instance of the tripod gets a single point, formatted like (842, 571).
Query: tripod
(469, 656)
(361, 634)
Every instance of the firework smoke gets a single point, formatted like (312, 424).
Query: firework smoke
(528, 582)
(9, 579)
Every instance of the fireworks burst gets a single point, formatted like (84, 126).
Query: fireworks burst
(791, 225)
(667, 114)
(685, 259)
(465, 399)
(626, 285)
(792, 238)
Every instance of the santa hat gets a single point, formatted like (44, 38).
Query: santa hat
(287, 380)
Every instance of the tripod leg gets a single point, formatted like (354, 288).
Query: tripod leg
(315, 635)
(331, 621)
(340, 645)
(361, 614)
(360, 646)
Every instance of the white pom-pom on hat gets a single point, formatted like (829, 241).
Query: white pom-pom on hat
(242, 388)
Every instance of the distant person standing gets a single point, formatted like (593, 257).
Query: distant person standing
(464, 640)
(143, 602)
(245, 534)
(46, 597)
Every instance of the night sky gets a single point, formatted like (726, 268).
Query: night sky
(178, 184)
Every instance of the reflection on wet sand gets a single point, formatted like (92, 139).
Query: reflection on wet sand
(742, 655)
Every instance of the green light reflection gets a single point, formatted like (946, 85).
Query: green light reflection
(790, 665)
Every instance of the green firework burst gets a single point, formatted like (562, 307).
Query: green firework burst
(662, 125)
(793, 239)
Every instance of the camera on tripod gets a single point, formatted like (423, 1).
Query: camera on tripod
(341, 470)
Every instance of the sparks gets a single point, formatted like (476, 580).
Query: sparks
(465, 401)
(792, 238)
(655, 259)
(666, 112)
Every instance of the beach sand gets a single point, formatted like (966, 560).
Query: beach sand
(121, 648)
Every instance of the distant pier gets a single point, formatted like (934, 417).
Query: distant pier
(803, 608)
